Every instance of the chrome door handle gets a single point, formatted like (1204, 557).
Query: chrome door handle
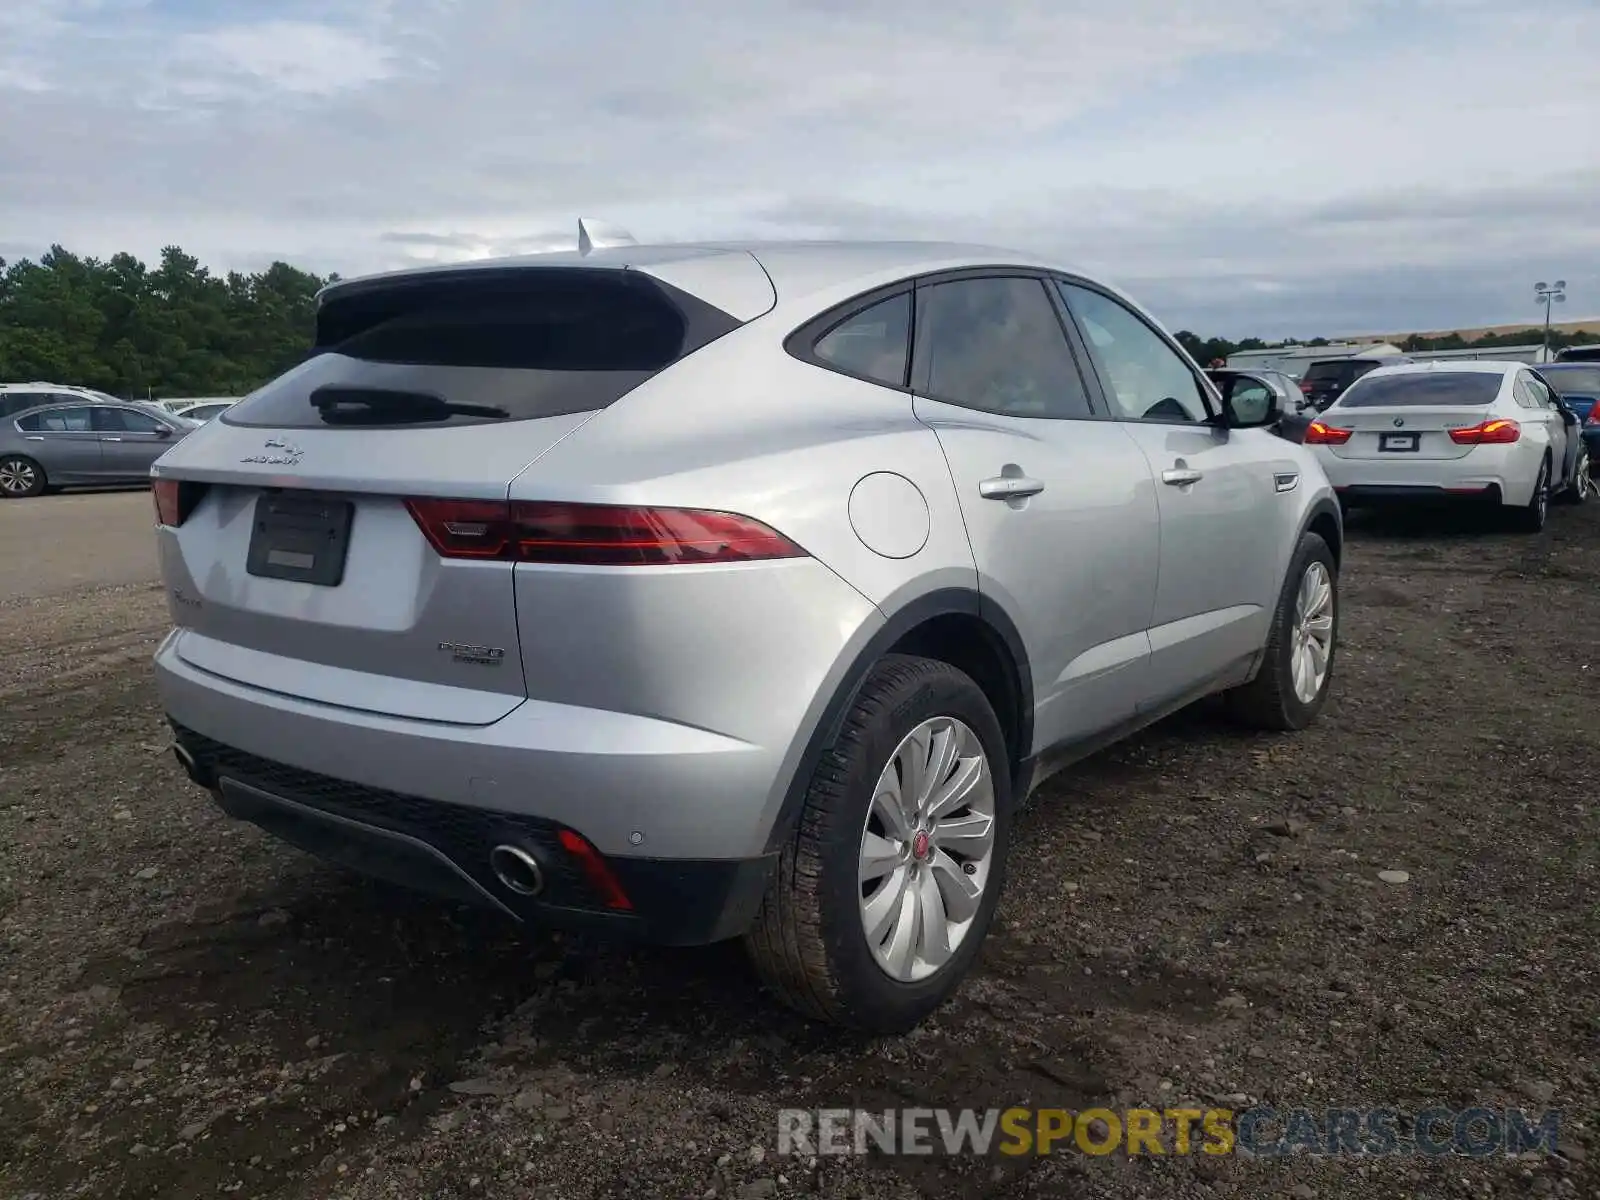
(1179, 476)
(1009, 487)
(110, 439)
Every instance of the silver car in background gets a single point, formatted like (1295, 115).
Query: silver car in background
(98, 442)
(681, 592)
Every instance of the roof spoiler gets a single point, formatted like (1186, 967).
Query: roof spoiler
(597, 235)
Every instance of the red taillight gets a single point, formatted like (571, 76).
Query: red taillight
(594, 534)
(1594, 415)
(175, 500)
(1318, 434)
(464, 528)
(595, 870)
(1305, 387)
(1500, 431)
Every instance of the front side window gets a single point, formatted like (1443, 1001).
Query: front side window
(1145, 378)
(125, 420)
(996, 345)
(874, 343)
(57, 420)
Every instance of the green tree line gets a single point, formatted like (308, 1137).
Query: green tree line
(123, 327)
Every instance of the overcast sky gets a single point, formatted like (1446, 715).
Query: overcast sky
(1242, 166)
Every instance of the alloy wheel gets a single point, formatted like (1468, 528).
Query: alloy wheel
(927, 849)
(17, 478)
(1312, 648)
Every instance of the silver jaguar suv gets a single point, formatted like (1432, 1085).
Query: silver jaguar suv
(709, 591)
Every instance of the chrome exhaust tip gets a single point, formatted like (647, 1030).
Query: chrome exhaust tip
(186, 760)
(517, 870)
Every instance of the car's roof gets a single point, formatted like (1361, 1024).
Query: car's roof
(795, 268)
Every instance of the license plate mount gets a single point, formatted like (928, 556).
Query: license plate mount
(1399, 443)
(300, 538)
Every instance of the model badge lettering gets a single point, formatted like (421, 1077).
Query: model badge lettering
(278, 453)
(483, 656)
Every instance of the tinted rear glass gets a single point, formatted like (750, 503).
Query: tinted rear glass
(1583, 380)
(1445, 388)
(1343, 371)
(483, 345)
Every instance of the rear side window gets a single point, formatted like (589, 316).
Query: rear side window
(15, 402)
(57, 420)
(1444, 388)
(874, 343)
(996, 345)
(484, 345)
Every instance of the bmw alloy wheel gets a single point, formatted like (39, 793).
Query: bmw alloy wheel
(1313, 633)
(927, 849)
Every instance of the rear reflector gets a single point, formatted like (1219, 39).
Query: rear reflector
(594, 534)
(1318, 434)
(175, 500)
(1501, 431)
(595, 870)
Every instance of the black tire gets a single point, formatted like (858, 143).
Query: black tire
(807, 942)
(1531, 517)
(1581, 485)
(1269, 701)
(20, 477)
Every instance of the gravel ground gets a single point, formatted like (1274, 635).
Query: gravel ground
(188, 1009)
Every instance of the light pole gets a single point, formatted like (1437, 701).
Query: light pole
(1547, 294)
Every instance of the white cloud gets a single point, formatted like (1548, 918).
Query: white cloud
(1245, 161)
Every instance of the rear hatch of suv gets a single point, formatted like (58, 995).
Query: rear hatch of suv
(304, 529)
(1325, 381)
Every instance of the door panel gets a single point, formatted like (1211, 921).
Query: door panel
(1061, 512)
(129, 442)
(1221, 495)
(64, 441)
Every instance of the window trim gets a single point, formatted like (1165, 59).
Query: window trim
(801, 342)
(919, 363)
(1210, 397)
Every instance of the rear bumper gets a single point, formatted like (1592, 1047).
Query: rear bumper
(445, 850)
(1379, 494)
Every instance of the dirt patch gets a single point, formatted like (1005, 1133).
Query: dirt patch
(188, 1009)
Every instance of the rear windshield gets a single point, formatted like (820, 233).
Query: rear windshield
(1447, 388)
(1343, 370)
(483, 345)
(1584, 381)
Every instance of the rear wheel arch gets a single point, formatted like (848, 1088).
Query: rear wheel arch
(952, 625)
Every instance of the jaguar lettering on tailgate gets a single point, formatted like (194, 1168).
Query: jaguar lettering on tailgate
(277, 453)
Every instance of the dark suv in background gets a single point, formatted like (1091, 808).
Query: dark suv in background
(1325, 380)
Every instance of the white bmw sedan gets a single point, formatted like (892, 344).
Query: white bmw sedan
(1491, 432)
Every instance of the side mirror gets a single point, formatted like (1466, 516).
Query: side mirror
(1249, 404)
(164, 432)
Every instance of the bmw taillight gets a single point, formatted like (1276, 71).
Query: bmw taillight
(594, 534)
(1318, 434)
(1594, 414)
(1501, 431)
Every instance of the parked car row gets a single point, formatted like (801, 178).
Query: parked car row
(87, 438)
